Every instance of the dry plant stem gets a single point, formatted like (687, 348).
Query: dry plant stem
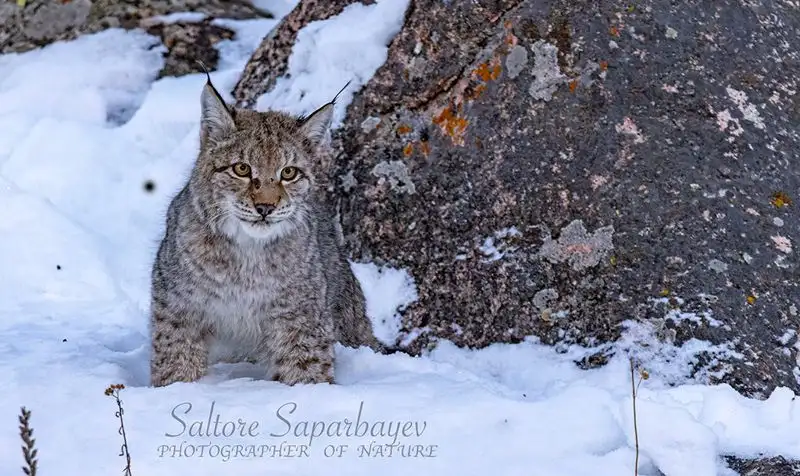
(113, 391)
(635, 425)
(28, 449)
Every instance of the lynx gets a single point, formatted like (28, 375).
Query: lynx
(249, 267)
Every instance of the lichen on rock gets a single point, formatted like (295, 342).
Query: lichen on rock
(546, 73)
(577, 247)
(396, 173)
(516, 61)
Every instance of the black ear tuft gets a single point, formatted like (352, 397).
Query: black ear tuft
(230, 110)
(217, 119)
(316, 125)
(333, 101)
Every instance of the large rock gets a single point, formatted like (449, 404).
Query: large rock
(557, 167)
(41, 22)
(775, 466)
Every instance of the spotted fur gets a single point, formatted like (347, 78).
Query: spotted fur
(250, 268)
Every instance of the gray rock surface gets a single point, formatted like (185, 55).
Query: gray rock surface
(41, 22)
(777, 466)
(188, 42)
(553, 168)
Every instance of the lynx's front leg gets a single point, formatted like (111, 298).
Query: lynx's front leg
(179, 349)
(301, 349)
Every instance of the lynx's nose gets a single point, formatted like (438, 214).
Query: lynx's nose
(264, 209)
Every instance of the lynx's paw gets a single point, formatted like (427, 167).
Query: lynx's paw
(308, 371)
(161, 376)
(179, 352)
(302, 357)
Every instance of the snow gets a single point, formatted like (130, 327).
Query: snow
(348, 47)
(79, 136)
(493, 251)
(388, 292)
(787, 336)
(94, 82)
(249, 34)
(278, 8)
(177, 17)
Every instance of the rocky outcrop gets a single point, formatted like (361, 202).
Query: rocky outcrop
(270, 60)
(187, 43)
(777, 466)
(41, 22)
(554, 168)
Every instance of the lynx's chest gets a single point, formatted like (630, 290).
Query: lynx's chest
(243, 289)
(239, 315)
(245, 295)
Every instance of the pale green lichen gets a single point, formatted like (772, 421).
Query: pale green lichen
(717, 266)
(396, 173)
(546, 73)
(369, 124)
(577, 247)
(543, 298)
(516, 61)
(348, 181)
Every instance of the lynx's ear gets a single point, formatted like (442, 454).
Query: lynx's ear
(217, 118)
(315, 126)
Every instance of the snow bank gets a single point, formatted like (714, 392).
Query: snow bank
(328, 53)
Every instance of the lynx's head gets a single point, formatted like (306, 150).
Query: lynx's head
(256, 172)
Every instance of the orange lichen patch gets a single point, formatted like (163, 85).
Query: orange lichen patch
(496, 70)
(452, 124)
(780, 200)
(403, 129)
(510, 39)
(573, 85)
(751, 299)
(425, 148)
(614, 31)
(489, 72)
(408, 149)
(603, 65)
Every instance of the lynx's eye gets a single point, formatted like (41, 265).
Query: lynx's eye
(289, 173)
(241, 169)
